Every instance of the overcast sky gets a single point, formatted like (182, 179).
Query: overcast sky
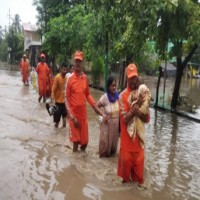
(23, 8)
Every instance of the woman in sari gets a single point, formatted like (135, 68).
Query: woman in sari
(109, 128)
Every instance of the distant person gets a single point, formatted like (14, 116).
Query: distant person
(43, 71)
(71, 70)
(136, 125)
(57, 96)
(33, 78)
(109, 128)
(24, 68)
(77, 94)
(131, 156)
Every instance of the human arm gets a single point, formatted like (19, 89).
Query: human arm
(124, 106)
(29, 67)
(88, 95)
(54, 88)
(20, 65)
(67, 103)
(137, 108)
(137, 112)
(128, 111)
(97, 109)
(37, 68)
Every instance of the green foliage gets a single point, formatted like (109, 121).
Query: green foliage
(68, 32)
(15, 43)
(97, 68)
(13, 40)
(16, 24)
(3, 50)
(127, 25)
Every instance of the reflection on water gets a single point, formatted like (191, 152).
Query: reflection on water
(189, 88)
(174, 148)
(38, 163)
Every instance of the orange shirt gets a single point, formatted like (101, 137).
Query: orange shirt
(127, 143)
(58, 88)
(77, 93)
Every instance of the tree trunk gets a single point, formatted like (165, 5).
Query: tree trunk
(179, 74)
(106, 60)
(158, 85)
(122, 75)
(129, 59)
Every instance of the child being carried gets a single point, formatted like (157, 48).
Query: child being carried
(136, 125)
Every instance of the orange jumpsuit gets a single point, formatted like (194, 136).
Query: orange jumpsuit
(77, 93)
(43, 73)
(131, 156)
(24, 67)
(50, 81)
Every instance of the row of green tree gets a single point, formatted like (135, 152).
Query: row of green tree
(11, 41)
(110, 31)
(121, 30)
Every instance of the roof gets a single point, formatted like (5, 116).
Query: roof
(29, 27)
(169, 66)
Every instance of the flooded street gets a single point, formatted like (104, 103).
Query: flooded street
(37, 161)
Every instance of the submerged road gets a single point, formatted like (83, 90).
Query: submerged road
(37, 160)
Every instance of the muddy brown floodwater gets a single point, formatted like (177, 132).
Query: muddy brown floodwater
(37, 160)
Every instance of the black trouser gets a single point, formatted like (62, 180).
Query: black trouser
(60, 112)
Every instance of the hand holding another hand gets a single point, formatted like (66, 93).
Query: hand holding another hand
(105, 118)
(135, 109)
(141, 99)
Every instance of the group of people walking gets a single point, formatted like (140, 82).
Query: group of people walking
(44, 73)
(122, 116)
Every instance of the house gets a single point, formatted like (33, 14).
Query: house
(170, 69)
(32, 42)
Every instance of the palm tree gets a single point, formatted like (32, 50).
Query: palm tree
(16, 23)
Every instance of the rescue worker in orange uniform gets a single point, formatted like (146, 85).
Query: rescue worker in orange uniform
(24, 68)
(43, 71)
(77, 94)
(131, 156)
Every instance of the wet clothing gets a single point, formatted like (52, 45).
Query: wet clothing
(131, 166)
(24, 68)
(131, 157)
(136, 125)
(43, 73)
(50, 81)
(79, 134)
(77, 93)
(58, 89)
(58, 93)
(109, 131)
(60, 112)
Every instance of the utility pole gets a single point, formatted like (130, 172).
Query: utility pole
(9, 17)
(9, 48)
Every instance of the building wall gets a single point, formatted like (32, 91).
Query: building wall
(29, 37)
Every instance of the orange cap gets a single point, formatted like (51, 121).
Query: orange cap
(131, 70)
(42, 55)
(78, 55)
